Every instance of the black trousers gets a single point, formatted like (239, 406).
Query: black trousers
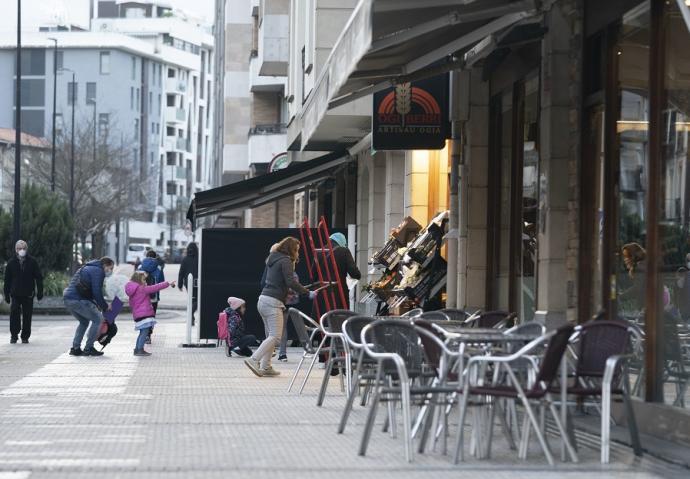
(21, 309)
(243, 344)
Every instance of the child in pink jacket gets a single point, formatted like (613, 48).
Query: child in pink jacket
(142, 309)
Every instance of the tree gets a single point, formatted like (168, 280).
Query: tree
(45, 224)
(102, 180)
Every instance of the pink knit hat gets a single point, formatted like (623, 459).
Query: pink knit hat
(235, 303)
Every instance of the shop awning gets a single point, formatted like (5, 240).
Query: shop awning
(390, 41)
(265, 188)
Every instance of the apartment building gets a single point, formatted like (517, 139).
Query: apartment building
(145, 75)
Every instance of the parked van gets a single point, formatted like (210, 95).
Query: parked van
(137, 251)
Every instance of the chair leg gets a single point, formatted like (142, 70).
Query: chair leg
(459, 446)
(311, 365)
(407, 419)
(564, 434)
(371, 417)
(605, 423)
(299, 366)
(351, 396)
(393, 422)
(324, 382)
(537, 430)
(630, 417)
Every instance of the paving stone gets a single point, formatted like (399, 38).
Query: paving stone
(185, 413)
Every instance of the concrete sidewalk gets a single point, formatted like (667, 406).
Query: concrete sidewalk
(196, 413)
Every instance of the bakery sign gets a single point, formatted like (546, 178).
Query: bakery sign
(411, 116)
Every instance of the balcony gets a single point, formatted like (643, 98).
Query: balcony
(270, 129)
(175, 143)
(258, 83)
(265, 142)
(174, 85)
(175, 115)
(274, 46)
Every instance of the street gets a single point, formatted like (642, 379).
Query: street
(194, 412)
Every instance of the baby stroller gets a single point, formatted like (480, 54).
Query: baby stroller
(223, 334)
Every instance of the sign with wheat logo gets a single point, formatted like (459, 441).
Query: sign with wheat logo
(411, 116)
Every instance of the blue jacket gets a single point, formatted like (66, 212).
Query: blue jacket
(152, 267)
(91, 273)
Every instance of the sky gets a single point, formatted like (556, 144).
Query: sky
(37, 12)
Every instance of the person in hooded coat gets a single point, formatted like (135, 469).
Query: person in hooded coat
(280, 268)
(190, 264)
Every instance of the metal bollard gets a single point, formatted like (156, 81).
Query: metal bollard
(190, 312)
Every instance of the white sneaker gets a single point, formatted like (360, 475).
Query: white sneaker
(269, 372)
(253, 364)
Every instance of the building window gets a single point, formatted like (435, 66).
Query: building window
(136, 129)
(60, 59)
(170, 158)
(72, 92)
(137, 100)
(150, 101)
(171, 73)
(159, 103)
(170, 131)
(33, 92)
(134, 68)
(103, 123)
(33, 62)
(105, 63)
(170, 100)
(90, 92)
(170, 188)
(131, 98)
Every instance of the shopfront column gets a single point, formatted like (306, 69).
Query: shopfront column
(559, 111)
(395, 189)
(472, 254)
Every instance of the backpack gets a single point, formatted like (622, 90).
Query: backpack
(106, 333)
(223, 326)
(83, 287)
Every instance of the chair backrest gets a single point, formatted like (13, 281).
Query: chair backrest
(413, 313)
(303, 324)
(397, 337)
(551, 361)
(494, 319)
(352, 328)
(432, 349)
(456, 314)
(332, 321)
(434, 315)
(599, 340)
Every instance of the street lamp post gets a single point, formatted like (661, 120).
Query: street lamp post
(172, 207)
(71, 162)
(52, 153)
(18, 127)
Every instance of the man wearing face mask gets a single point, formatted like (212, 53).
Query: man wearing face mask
(23, 278)
(84, 300)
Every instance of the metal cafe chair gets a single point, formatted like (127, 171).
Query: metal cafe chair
(413, 313)
(456, 314)
(307, 331)
(515, 389)
(602, 351)
(339, 352)
(491, 319)
(396, 346)
(434, 316)
(363, 371)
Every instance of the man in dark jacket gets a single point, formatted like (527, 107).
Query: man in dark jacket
(345, 262)
(190, 264)
(23, 278)
(84, 299)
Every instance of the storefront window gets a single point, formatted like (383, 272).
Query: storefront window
(530, 197)
(632, 51)
(674, 196)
